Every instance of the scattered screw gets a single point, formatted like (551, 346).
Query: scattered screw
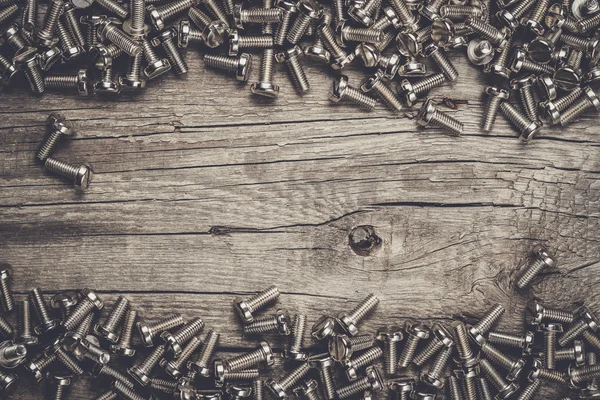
(429, 114)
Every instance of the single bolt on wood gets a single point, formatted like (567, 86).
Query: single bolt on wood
(536, 313)
(80, 175)
(528, 128)
(247, 307)
(341, 90)
(429, 114)
(542, 260)
(349, 321)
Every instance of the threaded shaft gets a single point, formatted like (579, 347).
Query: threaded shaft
(35, 78)
(134, 72)
(450, 124)
(297, 74)
(515, 116)
(490, 318)
(408, 352)
(69, 362)
(24, 330)
(52, 15)
(110, 395)
(552, 376)
(59, 392)
(591, 339)
(590, 359)
(17, 41)
(137, 14)
(294, 376)
(338, 8)
(424, 85)
(387, 96)
(553, 314)
(5, 328)
(386, 40)
(298, 28)
(175, 57)
(587, 24)
(30, 15)
(528, 102)
(491, 112)
(151, 57)
(492, 374)
(298, 333)
(440, 362)
(243, 375)
(522, 7)
(55, 82)
(485, 391)
(246, 361)
(118, 312)
(163, 385)
(529, 391)
(40, 306)
(256, 42)
(367, 357)
(198, 18)
(564, 354)
(107, 370)
(505, 339)
(122, 40)
(66, 40)
(91, 37)
(260, 15)
(113, 7)
(462, 341)
(390, 357)
(68, 171)
(216, 10)
(261, 325)
(404, 13)
(355, 387)
(126, 391)
(43, 362)
(454, 388)
(497, 357)
(550, 350)
(368, 35)
(371, 7)
(127, 330)
(448, 69)
(73, 25)
(539, 10)
(258, 389)
(431, 349)
(574, 331)
(575, 110)
(503, 55)
(283, 28)
(328, 383)
(486, 31)
(584, 374)
(328, 37)
(363, 308)
(575, 59)
(174, 9)
(191, 329)
(187, 351)
(458, 12)
(196, 36)
(153, 358)
(83, 329)
(96, 353)
(7, 13)
(359, 98)
(208, 350)
(537, 68)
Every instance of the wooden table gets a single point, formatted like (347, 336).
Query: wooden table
(203, 192)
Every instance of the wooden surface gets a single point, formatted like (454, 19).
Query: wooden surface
(203, 192)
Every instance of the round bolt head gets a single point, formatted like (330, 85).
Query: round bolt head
(324, 327)
(122, 350)
(215, 34)
(588, 316)
(531, 131)
(480, 52)
(244, 67)
(157, 68)
(266, 89)
(310, 8)
(208, 395)
(522, 82)
(243, 310)
(318, 53)
(171, 368)
(408, 43)
(516, 370)
(375, 378)
(497, 69)
(442, 334)
(139, 375)
(494, 91)
(238, 392)
(426, 113)
(534, 312)
(392, 67)
(540, 50)
(347, 324)
(547, 87)
(419, 330)
(145, 334)
(289, 53)
(368, 53)
(429, 49)
(340, 347)
(544, 255)
(133, 32)
(107, 88)
(357, 13)
(183, 33)
(319, 361)
(442, 30)
(59, 380)
(592, 97)
(518, 58)
(567, 78)
(9, 32)
(432, 381)
(276, 389)
(58, 123)
(295, 355)
(390, 334)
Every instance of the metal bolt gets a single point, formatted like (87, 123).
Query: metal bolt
(288, 9)
(413, 91)
(534, 21)
(410, 43)
(215, 8)
(27, 60)
(441, 339)
(109, 30)
(295, 350)
(66, 359)
(81, 175)
(71, 339)
(409, 20)
(174, 342)
(155, 65)
(175, 367)
(280, 388)
(106, 370)
(430, 9)
(223, 375)
(524, 85)
(513, 366)
(123, 347)
(168, 40)
(530, 390)
(520, 63)
(587, 24)
(291, 57)
(133, 78)
(24, 332)
(7, 70)
(243, 16)
(364, 13)
(463, 346)
(429, 114)
(141, 372)
(238, 42)
(135, 25)
(588, 101)
(340, 58)
(59, 384)
(372, 380)
(202, 363)
(389, 19)
(278, 323)
(547, 87)
(349, 321)
(542, 48)
(346, 33)
(550, 331)
(460, 12)
(93, 23)
(375, 83)
(341, 347)
(367, 357)
(316, 50)
(592, 388)
(148, 331)
(587, 320)
(416, 332)
(309, 390)
(114, 7)
(498, 38)
(324, 363)
(390, 338)
(509, 16)
(211, 33)
(454, 388)
(536, 313)
(441, 60)
(505, 389)
(89, 300)
(485, 391)
(401, 389)
(323, 328)
(12, 354)
(6, 296)
(47, 323)
(241, 65)
(247, 307)
(480, 52)
(13, 35)
(524, 341)
(7, 381)
(433, 377)
(45, 36)
(89, 348)
(263, 354)
(70, 48)
(576, 353)
(496, 96)
(238, 392)
(162, 14)
(37, 366)
(79, 82)
(108, 330)
(308, 10)
(30, 16)
(126, 391)
(73, 23)
(528, 128)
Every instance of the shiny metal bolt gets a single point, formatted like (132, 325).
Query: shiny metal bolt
(348, 321)
(520, 63)
(308, 10)
(124, 346)
(543, 260)
(587, 320)
(524, 341)
(390, 337)
(434, 377)
(371, 381)
(89, 300)
(12, 354)
(176, 341)
(262, 355)
(525, 88)
(505, 389)
(81, 175)
(24, 333)
(550, 331)
(247, 307)
(59, 384)
(401, 389)
(108, 329)
(150, 330)
(58, 127)
(415, 333)
(47, 323)
(536, 313)
(429, 114)
(141, 372)
(133, 79)
(6, 296)
(375, 84)
(45, 36)
(528, 128)
(79, 82)
(114, 8)
(309, 390)
(125, 391)
(480, 52)
(291, 57)
(210, 33)
(324, 363)
(365, 13)
(296, 349)
(28, 61)
(497, 37)
(412, 91)
(440, 338)
(223, 375)
(159, 16)
(514, 366)
(466, 355)
(175, 368)
(243, 16)
(576, 353)
(340, 58)
(407, 17)
(367, 357)
(341, 347)
(70, 48)
(155, 65)
(280, 387)
(109, 31)
(168, 39)
(510, 16)
(438, 55)
(589, 101)
(202, 363)
(496, 96)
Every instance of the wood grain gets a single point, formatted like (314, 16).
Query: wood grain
(203, 192)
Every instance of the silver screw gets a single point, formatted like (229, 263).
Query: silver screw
(513, 366)
(412, 91)
(523, 342)
(442, 61)
(349, 321)
(123, 347)
(215, 8)
(509, 16)
(309, 390)
(587, 320)
(70, 48)
(222, 375)
(524, 85)
(211, 33)
(135, 25)
(341, 347)
(106, 370)
(109, 30)
(247, 307)
(316, 50)
(13, 36)
(505, 389)
(60, 384)
(280, 388)
(308, 10)
(291, 58)
(155, 65)
(79, 82)
(587, 24)
(429, 114)
(108, 330)
(88, 303)
(202, 363)
(7, 70)
(390, 337)
(27, 60)
(543, 259)
(149, 331)
(364, 13)
(93, 23)
(243, 16)
(591, 339)
(288, 9)
(498, 38)
(454, 388)
(375, 84)
(588, 101)
(530, 390)
(593, 387)
(496, 96)
(520, 63)
(324, 363)
(278, 323)
(323, 328)
(470, 377)
(484, 389)
(72, 338)
(126, 391)
(67, 360)
(263, 354)
(409, 20)
(238, 42)
(36, 367)
(133, 78)
(64, 302)
(238, 392)
(441, 338)
(340, 58)
(162, 14)
(47, 323)
(575, 353)
(174, 342)
(434, 377)
(6, 296)
(483, 325)
(463, 346)
(175, 367)
(73, 23)
(30, 16)
(539, 372)
(416, 332)
(12, 354)
(372, 380)
(45, 36)
(534, 21)
(460, 12)
(114, 8)
(346, 33)
(499, 65)
(89, 348)
(296, 350)
(240, 65)
(141, 372)
(480, 52)
(401, 389)
(528, 128)
(168, 41)
(367, 357)
(387, 20)
(24, 332)
(81, 175)
(536, 313)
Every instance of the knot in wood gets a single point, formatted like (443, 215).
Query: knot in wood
(363, 240)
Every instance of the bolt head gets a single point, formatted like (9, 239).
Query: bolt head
(555, 17)
(157, 68)
(208, 395)
(593, 75)
(544, 255)
(25, 58)
(319, 361)
(429, 49)
(368, 53)
(375, 378)
(183, 33)
(547, 86)
(288, 54)
(536, 365)
(340, 347)
(139, 375)
(234, 43)
(130, 84)
(286, 6)
(522, 82)
(34, 369)
(357, 13)
(122, 350)
(89, 295)
(369, 82)
(347, 324)
(324, 327)
(238, 392)
(579, 350)
(244, 67)
(401, 385)
(310, 8)
(589, 317)
(432, 381)
(215, 34)
(341, 62)
(390, 334)
(283, 322)
(276, 389)
(425, 112)
(419, 330)
(540, 50)
(309, 387)
(58, 123)
(534, 27)
(507, 19)
(443, 335)
(408, 44)
(442, 30)
(295, 355)
(516, 370)
(318, 53)
(480, 52)
(174, 348)
(6, 271)
(243, 310)
(534, 312)
(351, 373)
(412, 68)
(9, 32)
(531, 131)
(170, 368)
(528, 341)
(494, 91)
(567, 78)
(237, 16)
(592, 97)
(107, 88)
(518, 58)
(7, 382)
(104, 332)
(157, 21)
(428, 12)
(507, 391)
(268, 353)
(145, 334)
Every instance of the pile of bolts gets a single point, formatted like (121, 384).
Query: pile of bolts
(71, 341)
(544, 51)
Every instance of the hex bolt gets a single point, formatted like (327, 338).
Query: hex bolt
(126, 391)
(499, 65)
(498, 38)
(524, 85)
(575, 353)
(465, 353)
(222, 375)
(81, 175)
(364, 13)
(109, 30)
(148, 331)
(30, 16)
(309, 390)
(324, 363)
(434, 377)
(212, 34)
(45, 36)
(133, 78)
(536, 313)
(390, 337)
(202, 363)
(70, 48)
(89, 300)
(175, 342)
(520, 63)
(24, 332)
(114, 7)
(79, 82)
(323, 328)
(367, 357)
(108, 329)
(141, 372)
(534, 21)
(513, 366)
(523, 342)
(389, 19)
(93, 24)
(72, 339)
(155, 65)
(288, 10)
(496, 96)
(528, 128)
(441, 338)
(510, 16)
(263, 354)
(296, 349)
(175, 368)
(12, 354)
(348, 321)
(340, 58)
(243, 16)
(529, 391)
(13, 36)
(6, 297)
(123, 346)
(47, 323)
(409, 20)
(28, 61)
(247, 307)
(163, 14)
(168, 40)
(410, 43)
(505, 389)
(588, 101)
(371, 381)
(401, 389)
(73, 24)
(280, 388)
(429, 114)
(413, 91)
(587, 320)
(37, 366)
(215, 8)
(416, 332)
(59, 383)
(454, 388)
(308, 10)
(460, 12)
(106, 370)
(291, 57)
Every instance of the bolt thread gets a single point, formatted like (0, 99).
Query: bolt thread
(246, 361)
(24, 320)
(153, 358)
(258, 389)
(390, 357)
(591, 339)
(59, 392)
(529, 391)
(586, 373)
(187, 352)
(175, 57)
(298, 332)
(243, 375)
(91, 37)
(260, 15)
(550, 350)
(266, 66)
(490, 318)
(151, 57)
(110, 395)
(492, 374)
(134, 73)
(580, 326)
(408, 352)
(575, 59)
(363, 308)
(457, 12)
(366, 358)
(7, 299)
(448, 69)
(137, 14)
(563, 355)
(552, 314)
(359, 98)
(215, 8)
(404, 13)
(299, 79)
(382, 24)
(386, 40)
(41, 310)
(113, 7)
(369, 35)
(298, 28)
(529, 103)
(163, 385)
(535, 268)
(462, 341)
(267, 29)
(505, 339)
(491, 112)
(338, 11)
(503, 55)
(96, 353)
(362, 342)
(454, 388)
(35, 78)
(54, 11)
(430, 350)
(267, 296)
(122, 305)
(68, 171)
(69, 362)
(107, 370)
(450, 124)
(355, 387)
(123, 41)
(30, 14)
(43, 362)
(552, 375)
(539, 10)
(5, 328)
(198, 18)
(497, 357)
(586, 24)
(195, 36)
(17, 41)
(83, 329)
(537, 68)
(486, 31)
(261, 325)
(574, 111)
(66, 40)
(173, 9)
(387, 96)
(283, 28)
(294, 376)
(256, 41)
(328, 37)
(484, 389)
(440, 363)
(371, 7)
(191, 329)
(591, 361)
(127, 330)
(518, 119)
(522, 7)
(126, 391)
(208, 350)
(73, 25)
(55, 82)
(328, 383)
(424, 85)
(571, 25)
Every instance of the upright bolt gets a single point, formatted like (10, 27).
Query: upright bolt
(79, 82)
(263, 354)
(141, 372)
(550, 331)
(93, 23)
(175, 341)
(36, 367)
(429, 114)
(123, 346)
(505, 389)
(288, 10)
(454, 388)
(135, 25)
(434, 377)
(372, 380)
(81, 175)
(416, 332)
(133, 78)
(202, 363)
(45, 36)
(155, 65)
(47, 323)
(308, 10)
(536, 313)
(175, 367)
(27, 60)
(589, 101)
(510, 16)
(168, 40)
(480, 51)
(108, 330)
(109, 31)
(587, 320)
(59, 383)
(575, 353)
(496, 96)
(258, 389)
(280, 388)
(12, 354)
(73, 23)
(24, 332)
(409, 20)
(6, 296)
(324, 363)
(513, 366)
(543, 259)
(309, 391)
(390, 337)
(340, 58)
(438, 55)
(296, 348)
(528, 128)
(149, 331)
(499, 65)
(367, 357)
(523, 342)
(465, 353)
(413, 91)
(349, 321)
(375, 84)
(162, 14)
(89, 300)
(291, 58)
(460, 12)
(247, 307)
(441, 339)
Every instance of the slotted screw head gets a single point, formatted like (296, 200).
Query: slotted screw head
(368, 53)
(567, 78)
(442, 30)
(547, 87)
(324, 327)
(426, 112)
(402, 386)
